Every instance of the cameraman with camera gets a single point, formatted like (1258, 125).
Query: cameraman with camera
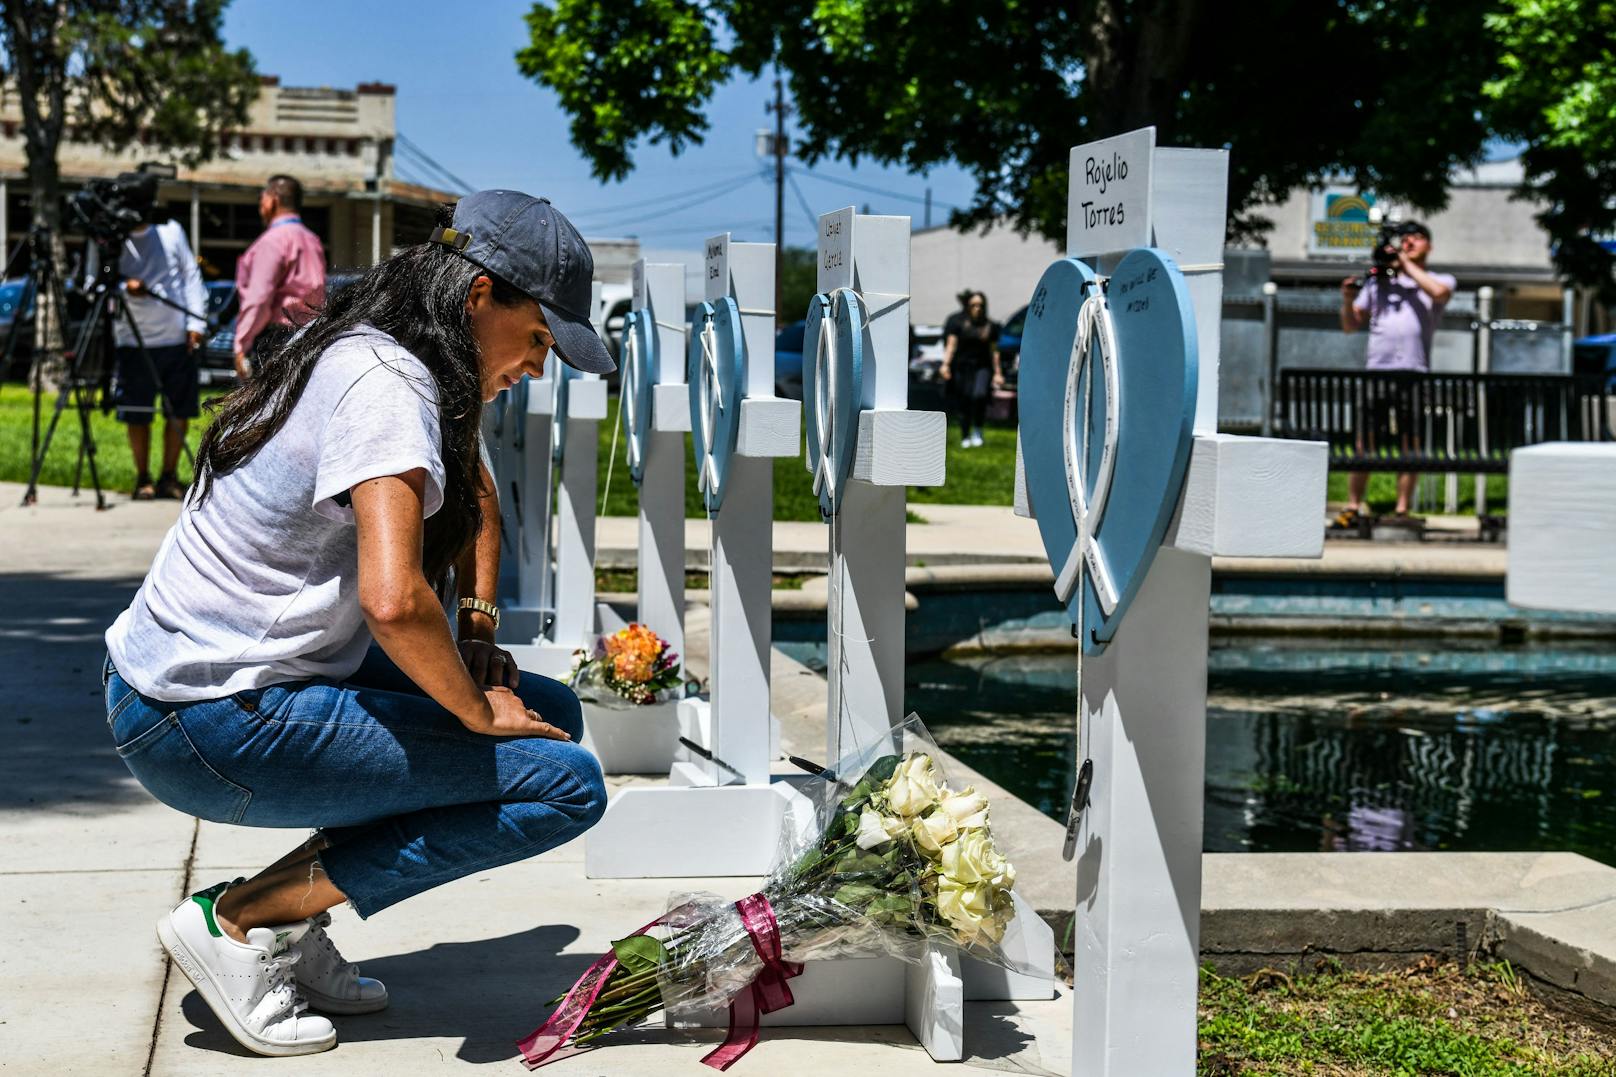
(1400, 301)
(167, 303)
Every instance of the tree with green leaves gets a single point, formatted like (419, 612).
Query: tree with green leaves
(1386, 91)
(112, 72)
(1556, 93)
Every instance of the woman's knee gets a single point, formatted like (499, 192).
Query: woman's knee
(555, 702)
(564, 777)
(591, 791)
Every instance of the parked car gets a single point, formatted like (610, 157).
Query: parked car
(927, 391)
(1004, 405)
(788, 360)
(1596, 357)
(218, 364)
(17, 324)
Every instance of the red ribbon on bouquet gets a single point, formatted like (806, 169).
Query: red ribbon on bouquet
(548, 1043)
(768, 992)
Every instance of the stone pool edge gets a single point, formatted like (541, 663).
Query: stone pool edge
(1552, 915)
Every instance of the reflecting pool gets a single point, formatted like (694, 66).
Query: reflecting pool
(1319, 745)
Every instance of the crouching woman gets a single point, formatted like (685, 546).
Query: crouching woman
(287, 661)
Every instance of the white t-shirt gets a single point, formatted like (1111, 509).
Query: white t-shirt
(260, 584)
(159, 256)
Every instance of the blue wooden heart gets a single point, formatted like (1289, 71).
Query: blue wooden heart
(1107, 398)
(634, 391)
(715, 375)
(832, 385)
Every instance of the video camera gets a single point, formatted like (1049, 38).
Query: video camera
(109, 209)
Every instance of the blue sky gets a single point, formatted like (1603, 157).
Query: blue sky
(461, 99)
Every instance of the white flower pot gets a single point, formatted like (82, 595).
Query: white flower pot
(632, 740)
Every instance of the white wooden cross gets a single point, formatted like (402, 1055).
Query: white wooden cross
(1139, 867)
(550, 523)
(733, 818)
(659, 292)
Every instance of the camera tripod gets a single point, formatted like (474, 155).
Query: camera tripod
(88, 362)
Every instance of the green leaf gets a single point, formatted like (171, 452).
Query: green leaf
(639, 953)
(856, 895)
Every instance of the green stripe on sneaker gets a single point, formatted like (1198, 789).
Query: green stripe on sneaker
(205, 899)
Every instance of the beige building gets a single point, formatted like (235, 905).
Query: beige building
(338, 143)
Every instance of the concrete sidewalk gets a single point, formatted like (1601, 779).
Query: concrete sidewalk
(92, 861)
(994, 535)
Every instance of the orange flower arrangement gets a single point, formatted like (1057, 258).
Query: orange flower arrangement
(634, 662)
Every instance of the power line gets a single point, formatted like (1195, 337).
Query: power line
(437, 175)
(807, 211)
(857, 186)
(618, 222)
(407, 143)
(424, 172)
(706, 188)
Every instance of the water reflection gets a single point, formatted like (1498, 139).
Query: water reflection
(1337, 748)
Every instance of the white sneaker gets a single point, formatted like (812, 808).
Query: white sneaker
(330, 983)
(976, 441)
(248, 985)
(965, 442)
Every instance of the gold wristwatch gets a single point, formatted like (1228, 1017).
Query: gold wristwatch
(482, 607)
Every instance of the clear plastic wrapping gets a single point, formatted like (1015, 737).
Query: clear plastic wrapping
(632, 667)
(879, 856)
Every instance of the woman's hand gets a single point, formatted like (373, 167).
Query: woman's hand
(998, 380)
(490, 666)
(944, 372)
(507, 716)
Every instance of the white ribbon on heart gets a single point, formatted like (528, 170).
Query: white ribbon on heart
(825, 389)
(711, 397)
(1094, 325)
(631, 403)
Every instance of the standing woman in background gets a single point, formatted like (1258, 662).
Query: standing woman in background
(971, 364)
(287, 662)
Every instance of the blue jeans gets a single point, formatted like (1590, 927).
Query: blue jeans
(407, 797)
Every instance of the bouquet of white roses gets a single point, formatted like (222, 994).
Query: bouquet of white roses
(902, 861)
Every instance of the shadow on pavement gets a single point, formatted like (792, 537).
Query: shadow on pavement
(491, 993)
(55, 752)
(488, 994)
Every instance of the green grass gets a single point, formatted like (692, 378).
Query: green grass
(1382, 492)
(1435, 1018)
(113, 461)
(984, 476)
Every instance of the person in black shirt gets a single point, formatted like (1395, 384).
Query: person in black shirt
(971, 364)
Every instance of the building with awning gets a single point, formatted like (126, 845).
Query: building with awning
(339, 143)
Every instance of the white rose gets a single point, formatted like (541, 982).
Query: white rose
(966, 909)
(965, 805)
(973, 859)
(934, 831)
(913, 789)
(877, 829)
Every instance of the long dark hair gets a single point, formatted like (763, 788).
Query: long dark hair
(418, 297)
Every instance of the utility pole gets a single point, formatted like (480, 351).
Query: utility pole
(780, 110)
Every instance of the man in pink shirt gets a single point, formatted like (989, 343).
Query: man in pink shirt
(281, 277)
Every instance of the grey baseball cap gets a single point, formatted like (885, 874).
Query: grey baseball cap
(529, 243)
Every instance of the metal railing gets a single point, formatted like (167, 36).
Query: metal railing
(1407, 421)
